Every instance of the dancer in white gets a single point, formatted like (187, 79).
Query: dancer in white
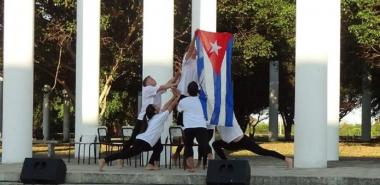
(233, 139)
(194, 125)
(150, 139)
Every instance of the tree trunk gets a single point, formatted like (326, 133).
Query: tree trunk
(110, 78)
(288, 132)
(288, 119)
(252, 136)
(243, 121)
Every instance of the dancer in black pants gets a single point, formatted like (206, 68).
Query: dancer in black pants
(233, 139)
(150, 139)
(194, 124)
(210, 134)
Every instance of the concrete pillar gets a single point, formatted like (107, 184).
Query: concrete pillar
(333, 82)
(87, 70)
(158, 35)
(45, 112)
(366, 105)
(66, 117)
(312, 55)
(273, 100)
(18, 80)
(1, 106)
(203, 15)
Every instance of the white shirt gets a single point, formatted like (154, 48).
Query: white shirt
(193, 116)
(188, 74)
(228, 134)
(149, 96)
(155, 128)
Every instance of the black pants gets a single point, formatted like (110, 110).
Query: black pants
(210, 134)
(137, 147)
(202, 138)
(244, 144)
(137, 129)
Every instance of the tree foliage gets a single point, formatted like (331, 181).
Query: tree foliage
(360, 52)
(120, 57)
(264, 30)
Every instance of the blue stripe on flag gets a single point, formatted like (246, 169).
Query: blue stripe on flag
(229, 88)
(218, 99)
(200, 68)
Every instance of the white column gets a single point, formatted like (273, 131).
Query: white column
(333, 82)
(18, 80)
(366, 105)
(158, 35)
(273, 100)
(87, 69)
(1, 106)
(203, 15)
(312, 54)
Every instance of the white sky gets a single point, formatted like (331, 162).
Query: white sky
(354, 117)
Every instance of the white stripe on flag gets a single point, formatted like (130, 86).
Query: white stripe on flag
(209, 84)
(222, 115)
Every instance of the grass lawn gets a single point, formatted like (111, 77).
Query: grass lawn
(345, 149)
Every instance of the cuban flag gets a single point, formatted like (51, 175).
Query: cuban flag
(214, 51)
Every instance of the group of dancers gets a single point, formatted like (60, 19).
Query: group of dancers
(152, 117)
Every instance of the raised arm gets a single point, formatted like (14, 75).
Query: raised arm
(169, 84)
(191, 49)
(173, 82)
(172, 102)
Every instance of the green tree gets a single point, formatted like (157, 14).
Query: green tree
(360, 52)
(264, 30)
(120, 60)
(54, 54)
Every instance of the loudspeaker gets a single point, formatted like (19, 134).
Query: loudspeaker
(43, 171)
(234, 172)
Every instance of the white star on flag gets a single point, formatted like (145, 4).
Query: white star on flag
(215, 47)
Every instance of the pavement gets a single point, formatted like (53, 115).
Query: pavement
(264, 171)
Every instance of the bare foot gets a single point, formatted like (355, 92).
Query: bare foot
(198, 163)
(151, 167)
(190, 164)
(210, 156)
(120, 163)
(157, 165)
(102, 163)
(289, 162)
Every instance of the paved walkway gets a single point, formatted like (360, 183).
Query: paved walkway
(264, 171)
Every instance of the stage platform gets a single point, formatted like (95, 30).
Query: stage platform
(264, 171)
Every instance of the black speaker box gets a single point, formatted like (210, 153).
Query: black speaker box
(43, 171)
(234, 172)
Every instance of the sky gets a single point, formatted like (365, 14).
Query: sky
(354, 117)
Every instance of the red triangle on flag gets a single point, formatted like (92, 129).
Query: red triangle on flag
(215, 45)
